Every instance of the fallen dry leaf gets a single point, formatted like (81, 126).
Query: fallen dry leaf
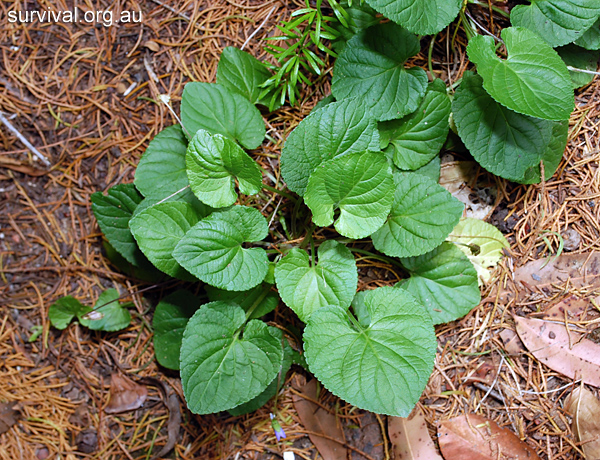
(8, 416)
(473, 437)
(561, 350)
(317, 420)
(125, 394)
(584, 407)
(410, 438)
(18, 166)
(512, 342)
(572, 306)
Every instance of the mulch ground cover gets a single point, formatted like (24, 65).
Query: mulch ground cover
(85, 96)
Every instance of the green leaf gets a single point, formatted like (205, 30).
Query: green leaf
(219, 111)
(590, 40)
(223, 366)
(481, 242)
(242, 73)
(533, 80)
(147, 272)
(371, 69)
(580, 58)
(335, 130)
(157, 231)
(360, 309)
(212, 249)
(113, 212)
(558, 22)
(504, 142)
(444, 281)
(431, 170)
(551, 156)
(382, 368)
(360, 185)
(161, 170)
(413, 141)
(170, 319)
(422, 216)
(261, 299)
(306, 287)
(213, 163)
(423, 17)
(112, 316)
(64, 310)
(272, 389)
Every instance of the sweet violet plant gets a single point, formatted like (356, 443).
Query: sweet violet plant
(365, 164)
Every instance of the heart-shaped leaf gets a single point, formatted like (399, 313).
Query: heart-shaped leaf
(557, 21)
(109, 315)
(62, 312)
(533, 80)
(590, 40)
(382, 368)
(423, 214)
(371, 69)
(423, 17)
(113, 212)
(580, 58)
(213, 164)
(161, 170)
(219, 111)
(223, 362)
(170, 319)
(444, 281)
(551, 156)
(261, 299)
(413, 141)
(306, 287)
(504, 142)
(242, 73)
(158, 229)
(360, 185)
(335, 130)
(212, 249)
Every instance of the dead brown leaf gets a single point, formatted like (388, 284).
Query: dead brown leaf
(125, 394)
(584, 407)
(473, 437)
(512, 342)
(573, 306)
(9, 415)
(318, 420)
(410, 438)
(561, 350)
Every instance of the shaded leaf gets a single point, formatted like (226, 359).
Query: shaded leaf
(471, 436)
(371, 69)
(410, 437)
(533, 80)
(125, 394)
(261, 295)
(584, 408)
(561, 350)
(219, 111)
(579, 58)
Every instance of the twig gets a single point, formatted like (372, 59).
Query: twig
(172, 10)
(258, 28)
(28, 144)
(575, 69)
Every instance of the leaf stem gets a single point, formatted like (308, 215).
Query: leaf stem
(370, 255)
(279, 192)
(256, 303)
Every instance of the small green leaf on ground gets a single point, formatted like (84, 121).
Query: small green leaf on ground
(112, 315)
(335, 130)
(360, 185)
(219, 111)
(64, 310)
(170, 318)
(423, 214)
(413, 141)
(423, 17)
(157, 231)
(113, 212)
(306, 287)
(371, 69)
(481, 242)
(445, 281)
(223, 366)
(214, 163)
(533, 80)
(241, 72)
(212, 249)
(558, 22)
(382, 368)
